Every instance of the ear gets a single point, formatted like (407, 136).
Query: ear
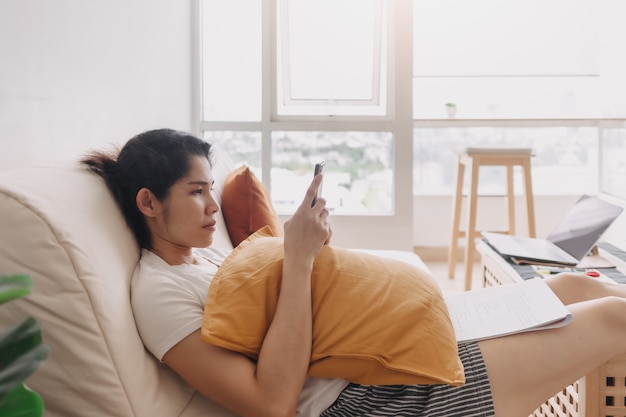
(147, 203)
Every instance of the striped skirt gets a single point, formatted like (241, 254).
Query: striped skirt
(470, 400)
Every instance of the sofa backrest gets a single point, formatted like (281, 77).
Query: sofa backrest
(60, 225)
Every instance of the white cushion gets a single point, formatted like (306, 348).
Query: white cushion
(60, 225)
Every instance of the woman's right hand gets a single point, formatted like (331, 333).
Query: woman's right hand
(308, 229)
(272, 385)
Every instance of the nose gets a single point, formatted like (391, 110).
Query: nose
(212, 205)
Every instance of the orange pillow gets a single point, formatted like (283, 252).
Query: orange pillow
(375, 320)
(246, 206)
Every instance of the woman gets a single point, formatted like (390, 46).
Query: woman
(162, 181)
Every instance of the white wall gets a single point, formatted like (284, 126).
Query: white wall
(77, 74)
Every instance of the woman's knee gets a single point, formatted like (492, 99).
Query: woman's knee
(573, 287)
(567, 278)
(613, 312)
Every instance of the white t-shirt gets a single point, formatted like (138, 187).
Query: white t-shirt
(168, 304)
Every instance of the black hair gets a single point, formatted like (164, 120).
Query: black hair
(154, 159)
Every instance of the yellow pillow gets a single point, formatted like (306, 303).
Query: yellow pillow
(376, 321)
(246, 206)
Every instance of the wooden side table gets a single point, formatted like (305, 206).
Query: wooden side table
(601, 393)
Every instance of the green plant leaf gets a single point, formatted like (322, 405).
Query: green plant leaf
(21, 353)
(21, 402)
(14, 286)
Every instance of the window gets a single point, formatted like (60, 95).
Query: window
(330, 57)
(613, 166)
(241, 146)
(518, 59)
(358, 177)
(565, 159)
(290, 82)
(231, 60)
(520, 73)
(323, 67)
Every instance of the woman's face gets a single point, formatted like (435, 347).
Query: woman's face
(187, 215)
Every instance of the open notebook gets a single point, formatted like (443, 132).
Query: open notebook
(491, 312)
(568, 243)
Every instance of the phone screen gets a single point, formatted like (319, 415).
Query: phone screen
(319, 168)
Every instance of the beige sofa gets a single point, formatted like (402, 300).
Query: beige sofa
(60, 225)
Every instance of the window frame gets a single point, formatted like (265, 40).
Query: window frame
(397, 120)
(374, 104)
(398, 228)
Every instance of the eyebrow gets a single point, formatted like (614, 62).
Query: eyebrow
(201, 182)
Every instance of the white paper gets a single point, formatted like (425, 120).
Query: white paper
(512, 308)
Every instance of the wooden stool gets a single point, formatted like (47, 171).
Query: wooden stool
(475, 157)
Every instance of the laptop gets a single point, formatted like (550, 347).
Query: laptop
(572, 238)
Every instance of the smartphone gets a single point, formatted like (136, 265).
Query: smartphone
(319, 168)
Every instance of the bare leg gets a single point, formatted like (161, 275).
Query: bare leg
(573, 288)
(528, 368)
